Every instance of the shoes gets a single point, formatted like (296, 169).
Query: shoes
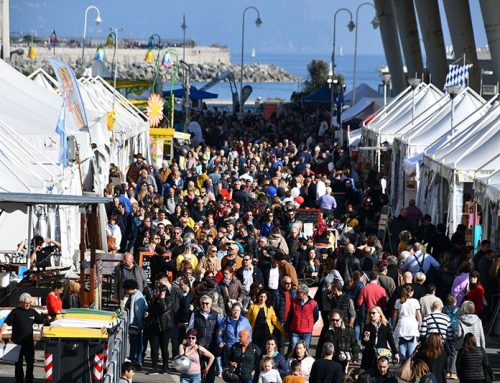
(448, 375)
(154, 371)
(137, 367)
(453, 376)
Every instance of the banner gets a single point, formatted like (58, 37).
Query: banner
(458, 75)
(70, 92)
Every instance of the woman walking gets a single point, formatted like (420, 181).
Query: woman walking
(407, 320)
(193, 351)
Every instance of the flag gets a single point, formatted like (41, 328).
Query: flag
(61, 130)
(458, 75)
(167, 60)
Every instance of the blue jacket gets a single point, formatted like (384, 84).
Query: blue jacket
(230, 329)
(138, 307)
(279, 303)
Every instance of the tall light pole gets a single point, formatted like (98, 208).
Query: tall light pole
(351, 27)
(112, 39)
(258, 23)
(150, 57)
(98, 21)
(375, 23)
(53, 41)
(184, 27)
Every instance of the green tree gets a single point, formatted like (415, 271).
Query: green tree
(318, 75)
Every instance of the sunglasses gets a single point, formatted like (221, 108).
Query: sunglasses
(373, 312)
(191, 337)
(205, 303)
(247, 259)
(335, 320)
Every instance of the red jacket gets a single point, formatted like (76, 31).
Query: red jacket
(301, 318)
(372, 295)
(476, 295)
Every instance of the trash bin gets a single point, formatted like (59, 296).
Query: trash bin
(74, 354)
(110, 323)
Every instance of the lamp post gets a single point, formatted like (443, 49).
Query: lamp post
(53, 41)
(183, 27)
(166, 62)
(414, 83)
(375, 23)
(187, 69)
(98, 21)
(351, 27)
(453, 91)
(150, 56)
(112, 39)
(385, 78)
(258, 23)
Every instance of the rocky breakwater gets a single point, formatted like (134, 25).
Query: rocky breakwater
(199, 72)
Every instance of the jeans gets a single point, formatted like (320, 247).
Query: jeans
(298, 336)
(190, 378)
(451, 361)
(136, 347)
(246, 379)
(160, 340)
(406, 347)
(28, 353)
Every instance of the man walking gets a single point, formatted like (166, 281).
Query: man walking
(326, 370)
(22, 319)
(244, 357)
(303, 314)
(137, 308)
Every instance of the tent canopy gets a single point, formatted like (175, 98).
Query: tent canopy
(364, 108)
(324, 94)
(194, 94)
(363, 90)
(321, 95)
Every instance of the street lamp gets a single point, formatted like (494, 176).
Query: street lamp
(258, 23)
(150, 55)
(484, 73)
(183, 27)
(53, 41)
(385, 78)
(414, 83)
(351, 27)
(375, 23)
(112, 40)
(167, 62)
(187, 87)
(453, 91)
(98, 21)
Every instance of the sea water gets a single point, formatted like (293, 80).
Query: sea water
(296, 64)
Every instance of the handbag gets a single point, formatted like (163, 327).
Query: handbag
(133, 329)
(383, 352)
(10, 352)
(489, 376)
(404, 372)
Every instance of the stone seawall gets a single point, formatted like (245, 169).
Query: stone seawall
(206, 63)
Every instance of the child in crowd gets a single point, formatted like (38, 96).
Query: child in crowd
(294, 377)
(128, 373)
(268, 373)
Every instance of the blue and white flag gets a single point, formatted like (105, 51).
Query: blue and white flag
(61, 130)
(458, 75)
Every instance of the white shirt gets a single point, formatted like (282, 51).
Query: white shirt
(247, 278)
(274, 278)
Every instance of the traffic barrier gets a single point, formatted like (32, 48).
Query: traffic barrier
(48, 366)
(97, 373)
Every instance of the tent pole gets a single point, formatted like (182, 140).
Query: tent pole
(28, 253)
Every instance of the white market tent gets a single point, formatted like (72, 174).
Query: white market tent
(398, 113)
(471, 154)
(411, 140)
(32, 112)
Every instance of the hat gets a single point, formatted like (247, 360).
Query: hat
(139, 156)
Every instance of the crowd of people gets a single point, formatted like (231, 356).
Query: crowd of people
(239, 284)
(234, 268)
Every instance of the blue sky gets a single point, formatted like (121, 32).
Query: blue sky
(289, 26)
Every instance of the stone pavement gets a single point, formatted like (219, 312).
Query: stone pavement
(7, 371)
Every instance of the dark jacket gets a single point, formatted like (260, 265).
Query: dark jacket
(280, 303)
(343, 340)
(247, 361)
(256, 275)
(118, 277)
(436, 365)
(326, 371)
(162, 311)
(385, 339)
(469, 365)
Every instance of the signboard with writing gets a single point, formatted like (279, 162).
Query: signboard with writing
(145, 263)
(383, 222)
(308, 215)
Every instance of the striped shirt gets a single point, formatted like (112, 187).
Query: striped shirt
(437, 323)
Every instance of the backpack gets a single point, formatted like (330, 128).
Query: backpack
(453, 315)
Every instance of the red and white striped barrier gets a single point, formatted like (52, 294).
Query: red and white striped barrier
(97, 373)
(48, 366)
(106, 357)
